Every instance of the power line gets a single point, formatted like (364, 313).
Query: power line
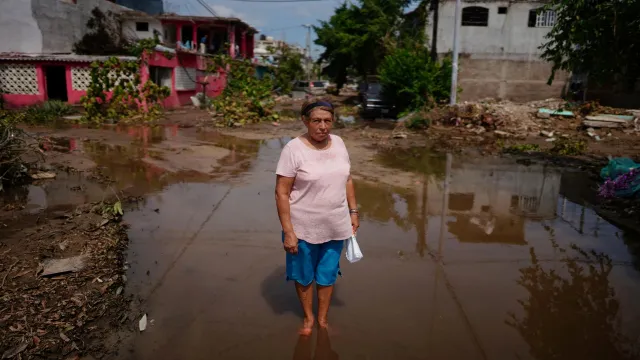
(209, 8)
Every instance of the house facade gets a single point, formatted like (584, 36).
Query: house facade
(37, 63)
(499, 47)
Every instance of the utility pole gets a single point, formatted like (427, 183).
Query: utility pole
(454, 65)
(308, 57)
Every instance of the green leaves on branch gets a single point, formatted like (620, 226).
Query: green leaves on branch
(289, 68)
(598, 38)
(358, 36)
(245, 99)
(411, 80)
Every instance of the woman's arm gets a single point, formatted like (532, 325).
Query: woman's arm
(283, 191)
(353, 205)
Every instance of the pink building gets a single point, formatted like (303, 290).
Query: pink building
(28, 79)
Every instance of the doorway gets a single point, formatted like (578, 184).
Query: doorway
(56, 79)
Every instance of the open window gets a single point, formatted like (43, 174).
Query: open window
(475, 16)
(142, 26)
(542, 18)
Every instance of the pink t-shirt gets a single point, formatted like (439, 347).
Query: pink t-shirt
(319, 209)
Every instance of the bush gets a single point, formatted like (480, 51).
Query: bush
(411, 80)
(13, 150)
(48, 112)
(568, 147)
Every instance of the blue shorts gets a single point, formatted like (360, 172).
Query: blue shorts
(319, 262)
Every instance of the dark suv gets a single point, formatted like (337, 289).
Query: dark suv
(373, 103)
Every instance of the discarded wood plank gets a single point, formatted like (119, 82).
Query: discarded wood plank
(52, 267)
(43, 175)
(607, 121)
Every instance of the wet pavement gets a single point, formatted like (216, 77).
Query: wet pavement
(498, 264)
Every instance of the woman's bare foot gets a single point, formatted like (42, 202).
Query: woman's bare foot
(323, 323)
(307, 327)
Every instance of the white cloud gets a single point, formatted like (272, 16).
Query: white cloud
(225, 11)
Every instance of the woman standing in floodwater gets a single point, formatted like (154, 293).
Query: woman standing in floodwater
(317, 207)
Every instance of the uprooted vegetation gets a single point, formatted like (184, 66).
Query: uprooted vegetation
(246, 99)
(17, 154)
(116, 92)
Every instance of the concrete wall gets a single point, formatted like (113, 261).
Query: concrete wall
(129, 29)
(17, 24)
(506, 34)
(45, 26)
(500, 60)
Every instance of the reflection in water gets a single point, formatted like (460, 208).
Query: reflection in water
(575, 316)
(303, 349)
(417, 159)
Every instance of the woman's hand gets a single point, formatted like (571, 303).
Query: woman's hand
(290, 243)
(355, 223)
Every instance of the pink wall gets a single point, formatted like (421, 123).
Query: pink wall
(176, 99)
(12, 101)
(187, 60)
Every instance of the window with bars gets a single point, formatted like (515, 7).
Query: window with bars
(475, 16)
(542, 18)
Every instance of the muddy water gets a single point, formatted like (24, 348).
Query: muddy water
(499, 264)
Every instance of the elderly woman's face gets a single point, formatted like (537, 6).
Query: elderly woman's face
(319, 123)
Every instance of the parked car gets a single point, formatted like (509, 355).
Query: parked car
(315, 88)
(373, 103)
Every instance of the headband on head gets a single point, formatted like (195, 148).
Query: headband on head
(307, 109)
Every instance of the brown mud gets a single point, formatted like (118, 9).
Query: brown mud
(485, 256)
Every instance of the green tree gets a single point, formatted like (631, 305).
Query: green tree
(359, 36)
(598, 38)
(289, 68)
(411, 80)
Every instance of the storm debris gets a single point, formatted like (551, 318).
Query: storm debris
(60, 310)
(53, 267)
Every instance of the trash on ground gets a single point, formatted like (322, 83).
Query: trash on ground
(558, 112)
(43, 175)
(400, 136)
(53, 267)
(142, 324)
(548, 134)
(622, 179)
(608, 121)
(347, 119)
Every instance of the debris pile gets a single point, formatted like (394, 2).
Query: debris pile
(551, 118)
(61, 283)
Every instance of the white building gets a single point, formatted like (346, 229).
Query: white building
(499, 45)
(266, 48)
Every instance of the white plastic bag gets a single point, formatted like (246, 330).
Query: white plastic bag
(354, 254)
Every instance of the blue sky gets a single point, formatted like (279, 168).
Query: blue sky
(279, 19)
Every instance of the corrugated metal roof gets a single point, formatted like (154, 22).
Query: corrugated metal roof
(60, 57)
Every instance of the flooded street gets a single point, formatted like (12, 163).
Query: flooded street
(499, 264)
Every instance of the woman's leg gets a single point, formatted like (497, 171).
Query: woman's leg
(326, 275)
(300, 268)
(324, 300)
(305, 294)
